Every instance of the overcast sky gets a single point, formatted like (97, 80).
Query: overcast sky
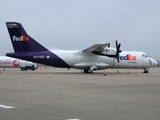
(78, 24)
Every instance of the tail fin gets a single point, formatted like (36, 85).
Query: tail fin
(21, 41)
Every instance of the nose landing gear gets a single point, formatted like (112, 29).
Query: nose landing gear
(145, 70)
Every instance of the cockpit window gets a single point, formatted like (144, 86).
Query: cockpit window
(144, 55)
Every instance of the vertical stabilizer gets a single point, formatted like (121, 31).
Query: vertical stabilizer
(21, 41)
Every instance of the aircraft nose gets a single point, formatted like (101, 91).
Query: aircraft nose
(154, 62)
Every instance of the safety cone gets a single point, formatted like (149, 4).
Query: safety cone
(128, 72)
(117, 71)
(104, 74)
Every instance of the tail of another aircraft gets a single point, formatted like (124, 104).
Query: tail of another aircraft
(21, 41)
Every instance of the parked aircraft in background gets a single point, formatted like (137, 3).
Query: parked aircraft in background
(9, 62)
(97, 57)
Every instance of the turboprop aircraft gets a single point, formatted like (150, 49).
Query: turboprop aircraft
(97, 57)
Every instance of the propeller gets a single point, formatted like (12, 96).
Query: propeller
(108, 45)
(118, 50)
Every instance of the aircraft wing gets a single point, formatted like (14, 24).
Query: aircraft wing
(95, 48)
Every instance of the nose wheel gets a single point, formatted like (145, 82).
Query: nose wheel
(145, 71)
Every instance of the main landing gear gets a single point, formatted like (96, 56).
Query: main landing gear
(145, 70)
(88, 71)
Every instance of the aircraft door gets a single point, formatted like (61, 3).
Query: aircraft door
(146, 60)
(111, 62)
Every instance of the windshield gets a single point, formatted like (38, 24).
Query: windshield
(144, 55)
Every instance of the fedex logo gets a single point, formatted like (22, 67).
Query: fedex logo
(22, 38)
(128, 57)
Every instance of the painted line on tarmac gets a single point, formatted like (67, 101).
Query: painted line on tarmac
(6, 107)
(73, 119)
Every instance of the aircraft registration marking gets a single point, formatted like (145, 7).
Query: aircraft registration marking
(41, 57)
(38, 57)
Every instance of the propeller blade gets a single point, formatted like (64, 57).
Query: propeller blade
(118, 50)
(108, 44)
(116, 44)
(118, 57)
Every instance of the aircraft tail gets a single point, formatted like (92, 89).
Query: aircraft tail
(21, 41)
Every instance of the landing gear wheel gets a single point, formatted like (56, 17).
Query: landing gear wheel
(145, 71)
(88, 71)
(85, 71)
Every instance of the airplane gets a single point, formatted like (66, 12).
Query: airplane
(97, 57)
(9, 62)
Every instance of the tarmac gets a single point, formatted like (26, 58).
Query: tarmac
(59, 94)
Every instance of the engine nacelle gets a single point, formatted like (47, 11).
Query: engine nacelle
(109, 51)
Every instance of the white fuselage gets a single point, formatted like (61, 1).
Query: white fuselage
(9, 62)
(128, 59)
